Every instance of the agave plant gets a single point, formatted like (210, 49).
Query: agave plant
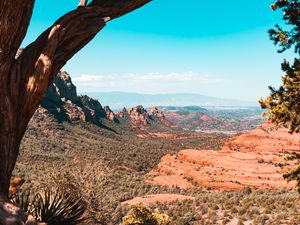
(22, 200)
(56, 207)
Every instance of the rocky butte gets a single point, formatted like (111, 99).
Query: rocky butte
(62, 101)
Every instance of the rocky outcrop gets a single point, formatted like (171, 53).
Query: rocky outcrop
(139, 116)
(62, 101)
(266, 137)
(93, 110)
(123, 114)
(110, 115)
(62, 89)
(252, 160)
(157, 114)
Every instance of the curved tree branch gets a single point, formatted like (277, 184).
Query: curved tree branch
(25, 78)
(117, 8)
(14, 20)
(42, 60)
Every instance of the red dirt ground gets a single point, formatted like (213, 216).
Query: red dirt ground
(248, 160)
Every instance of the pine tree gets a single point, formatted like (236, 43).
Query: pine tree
(283, 104)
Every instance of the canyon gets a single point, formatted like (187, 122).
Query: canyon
(120, 158)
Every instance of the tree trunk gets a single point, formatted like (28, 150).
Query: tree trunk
(25, 79)
(12, 128)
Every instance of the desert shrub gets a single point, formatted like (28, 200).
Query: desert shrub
(52, 206)
(22, 200)
(141, 215)
(57, 207)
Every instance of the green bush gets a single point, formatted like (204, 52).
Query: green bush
(141, 215)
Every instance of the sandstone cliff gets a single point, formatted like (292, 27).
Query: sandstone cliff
(62, 101)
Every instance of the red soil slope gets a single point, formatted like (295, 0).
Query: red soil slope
(248, 160)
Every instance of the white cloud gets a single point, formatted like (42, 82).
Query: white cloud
(149, 82)
(88, 78)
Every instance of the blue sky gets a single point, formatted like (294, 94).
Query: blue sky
(217, 48)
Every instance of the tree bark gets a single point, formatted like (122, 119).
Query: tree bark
(14, 21)
(25, 79)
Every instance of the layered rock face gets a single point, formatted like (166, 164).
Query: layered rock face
(110, 115)
(62, 101)
(139, 116)
(62, 89)
(156, 113)
(123, 114)
(251, 160)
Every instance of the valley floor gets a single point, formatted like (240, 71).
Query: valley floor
(108, 167)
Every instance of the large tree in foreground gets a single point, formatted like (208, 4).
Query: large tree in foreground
(24, 79)
(283, 104)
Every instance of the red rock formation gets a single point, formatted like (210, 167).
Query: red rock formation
(139, 116)
(61, 89)
(93, 109)
(110, 115)
(61, 100)
(159, 115)
(156, 113)
(249, 160)
(206, 118)
(15, 185)
(123, 114)
(266, 138)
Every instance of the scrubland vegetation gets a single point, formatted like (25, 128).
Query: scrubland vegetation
(106, 167)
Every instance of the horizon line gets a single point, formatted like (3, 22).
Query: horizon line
(171, 93)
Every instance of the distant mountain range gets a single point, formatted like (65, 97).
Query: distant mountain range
(118, 100)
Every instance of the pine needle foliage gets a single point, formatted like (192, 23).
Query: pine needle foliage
(283, 104)
(294, 173)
